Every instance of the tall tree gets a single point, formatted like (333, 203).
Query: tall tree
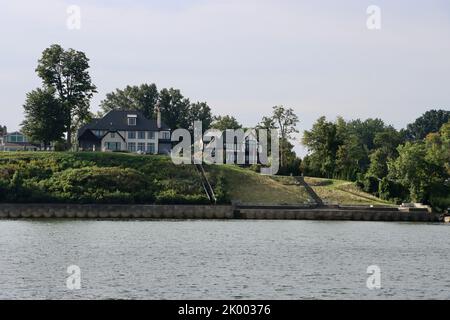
(67, 72)
(412, 170)
(200, 111)
(285, 121)
(323, 143)
(174, 108)
(430, 121)
(142, 98)
(385, 144)
(223, 123)
(44, 116)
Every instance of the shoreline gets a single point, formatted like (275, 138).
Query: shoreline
(227, 212)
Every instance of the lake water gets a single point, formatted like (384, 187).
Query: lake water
(238, 259)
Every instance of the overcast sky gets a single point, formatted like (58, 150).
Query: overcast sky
(244, 56)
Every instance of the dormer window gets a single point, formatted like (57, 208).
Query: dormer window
(131, 119)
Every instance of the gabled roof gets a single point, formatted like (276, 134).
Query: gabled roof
(14, 133)
(117, 120)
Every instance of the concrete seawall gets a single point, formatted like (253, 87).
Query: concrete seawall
(338, 214)
(74, 211)
(97, 211)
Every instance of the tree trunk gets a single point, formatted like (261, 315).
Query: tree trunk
(69, 138)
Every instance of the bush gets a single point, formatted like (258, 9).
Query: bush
(440, 203)
(172, 197)
(371, 184)
(96, 177)
(221, 188)
(393, 191)
(101, 185)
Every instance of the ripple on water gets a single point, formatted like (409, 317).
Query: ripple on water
(223, 259)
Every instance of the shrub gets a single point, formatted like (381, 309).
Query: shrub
(172, 197)
(101, 185)
(440, 203)
(392, 190)
(221, 188)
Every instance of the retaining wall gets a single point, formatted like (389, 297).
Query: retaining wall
(20, 211)
(339, 214)
(17, 211)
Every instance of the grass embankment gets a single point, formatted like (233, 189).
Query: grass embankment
(342, 192)
(247, 186)
(65, 177)
(96, 178)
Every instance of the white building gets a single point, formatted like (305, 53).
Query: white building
(125, 131)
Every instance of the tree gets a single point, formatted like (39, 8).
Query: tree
(141, 98)
(174, 108)
(44, 116)
(200, 111)
(430, 121)
(412, 170)
(348, 158)
(223, 123)
(67, 72)
(386, 144)
(285, 121)
(292, 163)
(323, 143)
(388, 140)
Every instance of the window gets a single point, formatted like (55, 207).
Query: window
(150, 147)
(16, 137)
(99, 133)
(132, 146)
(141, 135)
(131, 134)
(151, 135)
(131, 120)
(141, 146)
(165, 135)
(113, 135)
(113, 146)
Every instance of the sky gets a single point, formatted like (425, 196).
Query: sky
(243, 56)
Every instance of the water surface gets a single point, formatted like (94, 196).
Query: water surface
(239, 259)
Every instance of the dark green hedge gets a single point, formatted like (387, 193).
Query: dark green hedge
(97, 178)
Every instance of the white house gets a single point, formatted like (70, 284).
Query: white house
(125, 131)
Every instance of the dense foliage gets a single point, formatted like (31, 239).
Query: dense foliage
(97, 178)
(406, 165)
(176, 110)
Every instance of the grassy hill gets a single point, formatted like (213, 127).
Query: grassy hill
(128, 178)
(247, 186)
(342, 192)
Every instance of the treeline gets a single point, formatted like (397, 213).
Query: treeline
(411, 164)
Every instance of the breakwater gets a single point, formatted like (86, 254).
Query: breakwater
(98, 211)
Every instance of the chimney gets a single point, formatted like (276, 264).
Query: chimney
(158, 116)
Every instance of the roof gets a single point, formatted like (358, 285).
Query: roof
(116, 120)
(19, 144)
(14, 133)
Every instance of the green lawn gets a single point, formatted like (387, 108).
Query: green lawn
(342, 192)
(250, 187)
